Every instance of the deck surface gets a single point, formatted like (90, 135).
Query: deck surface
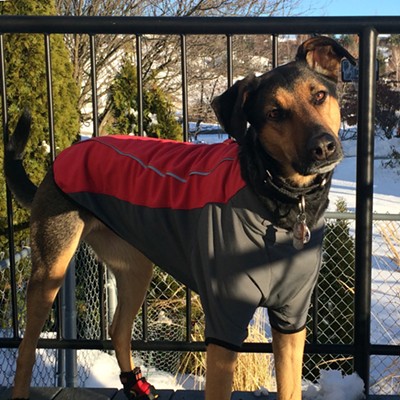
(47, 393)
(116, 394)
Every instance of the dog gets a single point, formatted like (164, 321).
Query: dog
(239, 222)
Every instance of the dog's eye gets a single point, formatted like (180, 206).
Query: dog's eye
(320, 97)
(274, 114)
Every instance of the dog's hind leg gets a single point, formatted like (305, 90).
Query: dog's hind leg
(133, 272)
(130, 299)
(56, 229)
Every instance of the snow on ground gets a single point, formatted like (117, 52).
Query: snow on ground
(332, 385)
(386, 187)
(105, 373)
(386, 180)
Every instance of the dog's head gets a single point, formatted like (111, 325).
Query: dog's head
(292, 111)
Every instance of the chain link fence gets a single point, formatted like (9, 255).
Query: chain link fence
(385, 314)
(165, 317)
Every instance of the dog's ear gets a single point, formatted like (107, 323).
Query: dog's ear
(228, 107)
(323, 54)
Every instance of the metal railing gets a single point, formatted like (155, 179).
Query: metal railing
(367, 28)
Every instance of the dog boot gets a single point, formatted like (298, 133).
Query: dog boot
(136, 387)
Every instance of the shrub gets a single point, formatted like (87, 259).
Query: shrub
(394, 159)
(26, 87)
(158, 116)
(335, 294)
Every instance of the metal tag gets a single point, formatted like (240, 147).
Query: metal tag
(301, 232)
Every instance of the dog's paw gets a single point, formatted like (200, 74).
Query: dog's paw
(136, 386)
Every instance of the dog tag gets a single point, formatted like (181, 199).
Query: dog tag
(301, 232)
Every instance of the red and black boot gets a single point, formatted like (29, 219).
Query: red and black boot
(136, 387)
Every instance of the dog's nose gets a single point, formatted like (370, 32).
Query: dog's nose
(322, 147)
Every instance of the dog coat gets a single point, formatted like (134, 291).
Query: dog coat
(187, 208)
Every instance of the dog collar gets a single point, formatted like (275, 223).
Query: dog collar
(294, 193)
(301, 231)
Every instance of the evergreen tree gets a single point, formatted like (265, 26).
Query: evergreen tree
(337, 281)
(335, 294)
(158, 117)
(26, 88)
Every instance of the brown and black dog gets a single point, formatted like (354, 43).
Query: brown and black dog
(240, 222)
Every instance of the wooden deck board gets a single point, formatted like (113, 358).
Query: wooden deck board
(47, 393)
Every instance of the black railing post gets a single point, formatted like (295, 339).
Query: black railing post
(50, 107)
(229, 60)
(69, 326)
(274, 51)
(185, 117)
(93, 80)
(364, 203)
(61, 367)
(139, 71)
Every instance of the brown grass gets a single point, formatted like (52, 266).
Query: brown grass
(389, 232)
(253, 370)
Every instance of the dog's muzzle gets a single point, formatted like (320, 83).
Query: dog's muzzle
(324, 153)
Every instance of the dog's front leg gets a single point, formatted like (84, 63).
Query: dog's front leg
(221, 364)
(288, 354)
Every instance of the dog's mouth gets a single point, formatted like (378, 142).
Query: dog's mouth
(313, 166)
(324, 167)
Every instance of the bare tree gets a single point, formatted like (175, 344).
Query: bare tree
(160, 56)
(387, 106)
(394, 59)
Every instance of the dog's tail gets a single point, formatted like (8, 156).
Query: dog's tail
(17, 180)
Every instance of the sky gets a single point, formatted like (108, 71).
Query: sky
(333, 8)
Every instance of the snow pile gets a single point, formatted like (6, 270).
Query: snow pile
(261, 392)
(104, 372)
(332, 385)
